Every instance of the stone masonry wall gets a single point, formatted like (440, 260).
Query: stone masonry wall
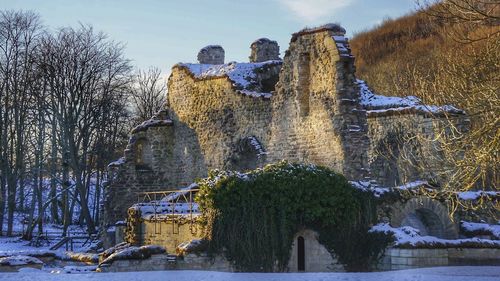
(316, 118)
(396, 259)
(316, 256)
(264, 49)
(212, 54)
(168, 234)
(219, 119)
(312, 117)
(401, 147)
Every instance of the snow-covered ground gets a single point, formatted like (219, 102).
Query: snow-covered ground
(466, 273)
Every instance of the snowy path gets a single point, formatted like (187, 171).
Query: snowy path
(466, 273)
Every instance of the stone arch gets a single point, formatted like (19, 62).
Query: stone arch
(427, 215)
(143, 154)
(247, 154)
(316, 257)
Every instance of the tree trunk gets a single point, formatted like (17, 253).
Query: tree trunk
(53, 172)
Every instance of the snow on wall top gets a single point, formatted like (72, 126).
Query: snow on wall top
(409, 237)
(378, 104)
(125, 251)
(481, 228)
(243, 75)
(160, 119)
(474, 195)
(117, 163)
(339, 30)
(378, 191)
(342, 46)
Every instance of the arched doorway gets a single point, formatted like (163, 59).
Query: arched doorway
(308, 255)
(301, 254)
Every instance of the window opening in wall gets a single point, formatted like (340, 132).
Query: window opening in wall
(142, 154)
(303, 83)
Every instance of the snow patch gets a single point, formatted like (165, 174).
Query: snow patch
(456, 273)
(378, 190)
(71, 269)
(243, 75)
(342, 46)
(475, 228)
(258, 146)
(195, 245)
(474, 195)
(151, 123)
(407, 236)
(19, 260)
(380, 104)
(117, 163)
(126, 252)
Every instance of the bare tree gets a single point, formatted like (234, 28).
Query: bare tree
(19, 32)
(470, 20)
(148, 93)
(86, 74)
(468, 76)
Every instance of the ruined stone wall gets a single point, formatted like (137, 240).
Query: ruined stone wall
(212, 127)
(148, 165)
(212, 54)
(220, 119)
(315, 115)
(312, 117)
(401, 147)
(392, 140)
(264, 49)
(168, 234)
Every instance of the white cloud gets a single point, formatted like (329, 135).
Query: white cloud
(311, 11)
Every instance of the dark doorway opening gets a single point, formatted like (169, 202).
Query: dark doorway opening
(301, 259)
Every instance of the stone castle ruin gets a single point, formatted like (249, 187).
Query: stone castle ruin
(307, 108)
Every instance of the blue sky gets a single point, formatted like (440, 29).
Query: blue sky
(162, 33)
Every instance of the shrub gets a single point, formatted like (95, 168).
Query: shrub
(253, 217)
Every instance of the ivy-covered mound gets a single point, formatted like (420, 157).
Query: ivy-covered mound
(254, 216)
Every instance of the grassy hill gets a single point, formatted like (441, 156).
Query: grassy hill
(404, 56)
(445, 59)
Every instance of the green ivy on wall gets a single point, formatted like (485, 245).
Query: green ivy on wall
(252, 218)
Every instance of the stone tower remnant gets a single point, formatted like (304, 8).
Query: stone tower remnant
(211, 54)
(264, 49)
